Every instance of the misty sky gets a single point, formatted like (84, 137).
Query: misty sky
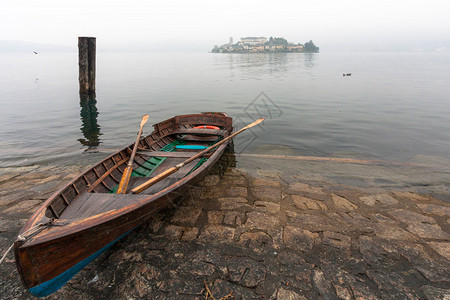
(329, 23)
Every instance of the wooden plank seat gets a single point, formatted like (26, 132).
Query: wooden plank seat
(178, 154)
(199, 131)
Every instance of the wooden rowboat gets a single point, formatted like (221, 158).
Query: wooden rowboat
(86, 217)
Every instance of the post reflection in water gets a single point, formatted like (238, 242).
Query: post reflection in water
(89, 126)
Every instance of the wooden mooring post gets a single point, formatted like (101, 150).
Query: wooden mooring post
(86, 63)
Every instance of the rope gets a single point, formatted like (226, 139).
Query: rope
(23, 237)
(6, 253)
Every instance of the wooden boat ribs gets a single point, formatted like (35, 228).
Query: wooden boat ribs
(91, 216)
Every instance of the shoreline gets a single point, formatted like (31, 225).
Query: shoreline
(258, 231)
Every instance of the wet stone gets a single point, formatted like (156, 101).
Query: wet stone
(262, 221)
(256, 241)
(231, 203)
(323, 285)
(181, 233)
(305, 188)
(234, 180)
(433, 270)
(288, 295)
(6, 200)
(186, 215)
(217, 234)
(443, 248)
(267, 193)
(342, 203)
(266, 182)
(235, 172)
(437, 210)
(428, 231)
(390, 232)
(236, 191)
(391, 285)
(304, 219)
(299, 239)
(269, 207)
(379, 199)
(336, 240)
(210, 180)
(232, 218)
(436, 293)
(245, 271)
(211, 192)
(24, 206)
(307, 203)
(411, 196)
(221, 289)
(410, 217)
(215, 217)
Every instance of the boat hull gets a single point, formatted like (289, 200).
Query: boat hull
(52, 257)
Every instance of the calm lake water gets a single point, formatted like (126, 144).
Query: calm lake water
(394, 106)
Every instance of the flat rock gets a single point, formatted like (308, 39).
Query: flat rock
(267, 193)
(389, 232)
(284, 294)
(305, 219)
(305, 188)
(186, 215)
(410, 217)
(27, 206)
(342, 203)
(209, 192)
(428, 231)
(217, 234)
(265, 182)
(269, 207)
(438, 210)
(256, 241)
(181, 232)
(231, 203)
(435, 293)
(307, 203)
(411, 196)
(322, 285)
(245, 271)
(262, 221)
(234, 180)
(299, 239)
(378, 199)
(232, 218)
(443, 248)
(210, 180)
(236, 191)
(235, 172)
(336, 240)
(215, 217)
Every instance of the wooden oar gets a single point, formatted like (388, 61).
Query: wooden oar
(129, 169)
(172, 170)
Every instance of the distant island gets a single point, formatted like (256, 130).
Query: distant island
(264, 45)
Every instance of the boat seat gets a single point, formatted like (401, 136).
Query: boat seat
(199, 131)
(178, 154)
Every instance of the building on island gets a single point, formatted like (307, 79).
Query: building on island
(264, 45)
(254, 41)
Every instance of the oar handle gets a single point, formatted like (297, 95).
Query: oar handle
(172, 170)
(123, 184)
(156, 179)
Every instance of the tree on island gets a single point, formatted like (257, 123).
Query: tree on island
(277, 41)
(310, 47)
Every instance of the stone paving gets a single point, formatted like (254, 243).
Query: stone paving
(258, 236)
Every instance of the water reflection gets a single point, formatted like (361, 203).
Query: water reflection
(89, 126)
(310, 59)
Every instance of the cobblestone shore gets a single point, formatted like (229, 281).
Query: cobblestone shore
(256, 236)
